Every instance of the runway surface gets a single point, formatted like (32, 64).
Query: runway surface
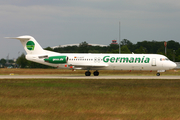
(84, 77)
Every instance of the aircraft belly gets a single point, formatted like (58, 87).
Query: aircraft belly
(126, 66)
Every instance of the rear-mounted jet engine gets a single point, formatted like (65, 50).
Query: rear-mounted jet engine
(56, 59)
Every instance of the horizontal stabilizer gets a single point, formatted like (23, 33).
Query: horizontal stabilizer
(30, 45)
(19, 38)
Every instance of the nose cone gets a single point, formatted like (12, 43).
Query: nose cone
(173, 65)
(169, 65)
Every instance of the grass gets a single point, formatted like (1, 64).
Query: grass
(45, 99)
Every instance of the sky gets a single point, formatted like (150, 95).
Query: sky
(59, 22)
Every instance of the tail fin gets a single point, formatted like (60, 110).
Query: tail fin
(30, 45)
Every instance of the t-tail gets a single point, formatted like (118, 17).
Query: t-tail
(34, 51)
(30, 45)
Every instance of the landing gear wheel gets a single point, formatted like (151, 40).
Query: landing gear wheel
(158, 74)
(96, 73)
(87, 73)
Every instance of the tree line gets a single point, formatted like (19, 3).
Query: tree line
(147, 47)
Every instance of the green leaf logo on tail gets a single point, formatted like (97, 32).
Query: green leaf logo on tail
(30, 45)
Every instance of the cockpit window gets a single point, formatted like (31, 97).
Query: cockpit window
(164, 59)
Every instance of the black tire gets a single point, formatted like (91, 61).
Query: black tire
(96, 73)
(158, 74)
(87, 73)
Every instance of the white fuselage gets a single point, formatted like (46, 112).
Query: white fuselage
(96, 62)
(109, 61)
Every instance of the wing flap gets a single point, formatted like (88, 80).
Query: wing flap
(88, 65)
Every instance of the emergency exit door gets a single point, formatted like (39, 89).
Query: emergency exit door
(154, 62)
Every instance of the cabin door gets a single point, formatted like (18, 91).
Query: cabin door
(153, 62)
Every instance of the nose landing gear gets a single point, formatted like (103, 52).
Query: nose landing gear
(159, 71)
(158, 74)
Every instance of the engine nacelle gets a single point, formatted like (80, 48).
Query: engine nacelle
(56, 59)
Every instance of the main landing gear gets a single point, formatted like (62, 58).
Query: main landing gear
(88, 73)
(96, 73)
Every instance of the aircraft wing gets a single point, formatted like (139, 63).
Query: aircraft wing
(88, 66)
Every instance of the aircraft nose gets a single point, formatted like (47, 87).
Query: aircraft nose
(170, 65)
(173, 65)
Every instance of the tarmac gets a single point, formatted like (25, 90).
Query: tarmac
(84, 77)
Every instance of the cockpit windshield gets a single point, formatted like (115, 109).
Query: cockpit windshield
(164, 59)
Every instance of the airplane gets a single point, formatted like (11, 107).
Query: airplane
(88, 61)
